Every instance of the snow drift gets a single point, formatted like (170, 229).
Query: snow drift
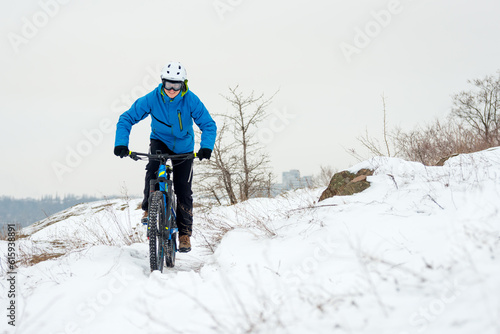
(416, 252)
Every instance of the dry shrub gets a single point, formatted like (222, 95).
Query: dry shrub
(473, 125)
(440, 139)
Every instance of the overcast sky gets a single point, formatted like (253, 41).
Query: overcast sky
(69, 68)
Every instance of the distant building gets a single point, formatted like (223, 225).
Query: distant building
(291, 180)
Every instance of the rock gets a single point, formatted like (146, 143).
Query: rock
(359, 178)
(346, 183)
(443, 160)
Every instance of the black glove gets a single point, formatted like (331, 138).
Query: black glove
(121, 151)
(204, 153)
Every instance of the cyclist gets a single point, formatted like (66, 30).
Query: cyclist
(173, 108)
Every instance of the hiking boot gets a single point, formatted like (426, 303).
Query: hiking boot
(184, 244)
(144, 219)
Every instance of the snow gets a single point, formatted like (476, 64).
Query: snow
(417, 252)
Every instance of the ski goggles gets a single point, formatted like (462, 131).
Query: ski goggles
(175, 85)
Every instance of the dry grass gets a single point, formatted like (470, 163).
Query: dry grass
(4, 232)
(42, 257)
(105, 228)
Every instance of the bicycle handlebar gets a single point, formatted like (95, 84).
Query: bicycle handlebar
(163, 156)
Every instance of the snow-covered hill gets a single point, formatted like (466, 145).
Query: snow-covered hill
(417, 252)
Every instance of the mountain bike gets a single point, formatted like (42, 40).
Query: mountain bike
(162, 228)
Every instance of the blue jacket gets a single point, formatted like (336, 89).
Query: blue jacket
(171, 120)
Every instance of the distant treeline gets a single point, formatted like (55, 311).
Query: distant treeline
(29, 210)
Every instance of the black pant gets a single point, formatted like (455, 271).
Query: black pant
(182, 177)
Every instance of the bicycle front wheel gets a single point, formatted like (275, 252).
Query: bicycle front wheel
(156, 231)
(171, 243)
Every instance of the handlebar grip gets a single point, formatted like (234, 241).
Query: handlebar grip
(133, 156)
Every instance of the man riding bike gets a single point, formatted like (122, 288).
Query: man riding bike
(173, 108)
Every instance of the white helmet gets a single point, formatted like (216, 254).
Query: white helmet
(174, 71)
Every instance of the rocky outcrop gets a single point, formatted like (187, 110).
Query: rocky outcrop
(346, 183)
(444, 159)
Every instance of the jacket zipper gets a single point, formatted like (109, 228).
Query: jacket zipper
(180, 119)
(175, 139)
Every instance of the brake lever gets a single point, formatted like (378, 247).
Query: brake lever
(134, 156)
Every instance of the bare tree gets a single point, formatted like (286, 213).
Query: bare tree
(323, 178)
(372, 144)
(480, 108)
(386, 141)
(217, 179)
(249, 112)
(240, 167)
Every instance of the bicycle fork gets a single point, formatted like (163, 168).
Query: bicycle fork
(163, 187)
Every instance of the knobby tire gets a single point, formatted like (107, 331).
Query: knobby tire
(156, 228)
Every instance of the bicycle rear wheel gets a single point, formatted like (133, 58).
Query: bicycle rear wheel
(156, 228)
